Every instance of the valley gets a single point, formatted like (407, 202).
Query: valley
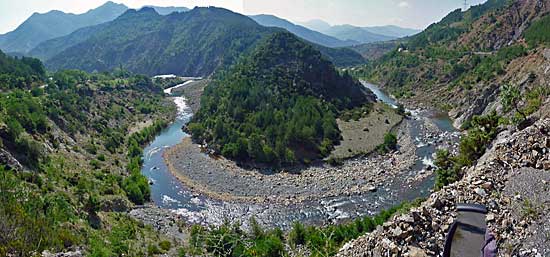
(210, 131)
(226, 192)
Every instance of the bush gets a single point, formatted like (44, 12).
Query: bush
(390, 143)
(482, 131)
(152, 250)
(297, 235)
(165, 245)
(182, 252)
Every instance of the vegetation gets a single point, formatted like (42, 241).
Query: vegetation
(511, 96)
(390, 143)
(137, 185)
(58, 204)
(511, 99)
(230, 240)
(539, 32)
(460, 53)
(179, 36)
(481, 132)
(277, 106)
(19, 73)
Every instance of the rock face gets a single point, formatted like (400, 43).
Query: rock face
(76, 253)
(7, 159)
(511, 179)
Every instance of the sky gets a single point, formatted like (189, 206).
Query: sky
(405, 13)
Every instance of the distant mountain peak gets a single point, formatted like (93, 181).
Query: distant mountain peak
(302, 32)
(110, 4)
(42, 27)
(147, 9)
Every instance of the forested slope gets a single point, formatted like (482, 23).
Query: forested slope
(193, 43)
(278, 105)
(69, 164)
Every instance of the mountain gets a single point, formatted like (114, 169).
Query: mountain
(265, 108)
(42, 27)
(463, 62)
(302, 32)
(360, 35)
(357, 34)
(392, 31)
(375, 50)
(193, 43)
(317, 25)
(165, 10)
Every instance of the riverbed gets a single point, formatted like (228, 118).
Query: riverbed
(426, 129)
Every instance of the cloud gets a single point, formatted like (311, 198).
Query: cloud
(403, 4)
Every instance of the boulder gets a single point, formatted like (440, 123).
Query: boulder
(9, 161)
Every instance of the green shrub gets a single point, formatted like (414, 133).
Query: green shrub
(482, 131)
(297, 235)
(182, 252)
(390, 143)
(165, 245)
(95, 164)
(152, 250)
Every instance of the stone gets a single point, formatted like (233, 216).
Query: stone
(480, 192)
(7, 159)
(416, 252)
(407, 218)
(490, 217)
(487, 185)
(398, 232)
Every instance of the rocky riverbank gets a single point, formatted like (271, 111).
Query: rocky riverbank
(512, 179)
(223, 179)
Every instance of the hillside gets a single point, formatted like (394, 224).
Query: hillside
(461, 63)
(375, 50)
(19, 73)
(264, 109)
(145, 42)
(69, 160)
(302, 32)
(41, 27)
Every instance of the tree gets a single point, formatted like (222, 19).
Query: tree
(510, 97)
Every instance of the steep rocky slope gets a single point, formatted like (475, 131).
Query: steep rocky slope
(460, 63)
(511, 179)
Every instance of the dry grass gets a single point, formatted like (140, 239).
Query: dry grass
(364, 135)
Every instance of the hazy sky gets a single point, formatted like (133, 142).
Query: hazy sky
(406, 13)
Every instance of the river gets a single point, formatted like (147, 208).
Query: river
(167, 192)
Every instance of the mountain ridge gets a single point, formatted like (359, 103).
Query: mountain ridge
(303, 32)
(41, 27)
(146, 42)
(359, 34)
